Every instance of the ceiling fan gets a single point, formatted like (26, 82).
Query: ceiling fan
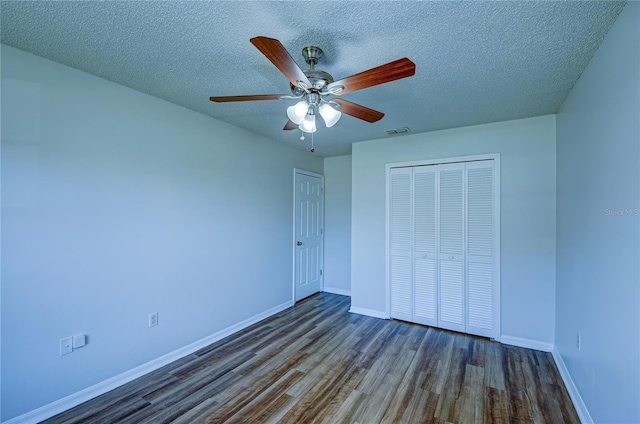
(313, 87)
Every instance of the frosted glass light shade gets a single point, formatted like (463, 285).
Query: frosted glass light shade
(309, 124)
(298, 112)
(329, 114)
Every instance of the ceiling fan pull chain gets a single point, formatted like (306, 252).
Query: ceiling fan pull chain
(312, 149)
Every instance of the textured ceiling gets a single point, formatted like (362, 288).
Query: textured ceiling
(476, 62)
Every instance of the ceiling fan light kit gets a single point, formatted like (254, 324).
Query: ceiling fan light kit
(313, 86)
(297, 112)
(309, 123)
(329, 114)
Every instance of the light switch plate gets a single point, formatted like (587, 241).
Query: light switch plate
(66, 346)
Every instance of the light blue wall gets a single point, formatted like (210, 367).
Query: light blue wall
(337, 239)
(528, 197)
(116, 204)
(598, 276)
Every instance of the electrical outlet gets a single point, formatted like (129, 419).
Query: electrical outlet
(79, 341)
(579, 341)
(66, 346)
(153, 319)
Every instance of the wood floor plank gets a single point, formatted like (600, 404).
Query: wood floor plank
(318, 397)
(477, 349)
(421, 408)
(408, 387)
(185, 396)
(446, 409)
(518, 402)
(332, 411)
(494, 374)
(318, 363)
(437, 360)
(471, 401)
(196, 413)
(268, 402)
(347, 410)
(395, 403)
(496, 409)
(134, 391)
(387, 367)
(246, 394)
(535, 390)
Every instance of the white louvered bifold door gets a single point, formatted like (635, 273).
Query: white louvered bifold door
(424, 245)
(400, 238)
(451, 247)
(481, 319)
(443, 235)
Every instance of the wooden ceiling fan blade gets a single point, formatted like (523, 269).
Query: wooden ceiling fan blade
(223, 99)
(290, 125)
(358, 111)
(280, 57)
(391, 71)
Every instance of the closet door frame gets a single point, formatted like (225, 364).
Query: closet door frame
(440, 161)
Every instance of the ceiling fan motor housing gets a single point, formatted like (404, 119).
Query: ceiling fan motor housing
(318, 79)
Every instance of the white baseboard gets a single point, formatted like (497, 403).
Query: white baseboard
(335, 290)
(61, 405)
(578, 403)
(526, 343)
(368, 312)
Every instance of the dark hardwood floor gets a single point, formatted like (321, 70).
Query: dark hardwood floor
(318, 363)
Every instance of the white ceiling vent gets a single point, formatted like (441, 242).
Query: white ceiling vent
(395, 131)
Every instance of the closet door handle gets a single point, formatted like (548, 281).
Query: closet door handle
(299, 243)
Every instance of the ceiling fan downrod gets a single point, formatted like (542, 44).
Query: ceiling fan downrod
(311, 55)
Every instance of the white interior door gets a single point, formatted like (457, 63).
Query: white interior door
(425, 242)
(308, 233)
(412, 244)
(481, 250)
(451, 247)
(400, 243)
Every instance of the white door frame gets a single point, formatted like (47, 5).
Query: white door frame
(490, 156)
(293, 241)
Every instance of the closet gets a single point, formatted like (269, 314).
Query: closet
(443, 244)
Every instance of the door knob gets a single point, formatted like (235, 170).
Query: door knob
(299, 243)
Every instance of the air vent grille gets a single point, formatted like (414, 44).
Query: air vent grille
(395, 131)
